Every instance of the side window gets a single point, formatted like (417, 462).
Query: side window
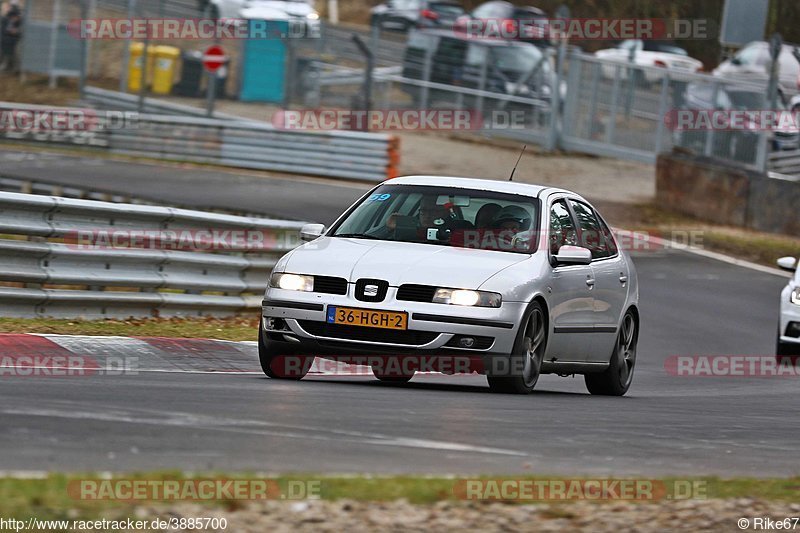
(562, 227)
(591, 234)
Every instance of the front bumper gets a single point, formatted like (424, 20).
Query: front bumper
(431, 327)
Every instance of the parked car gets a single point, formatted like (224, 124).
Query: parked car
(416, 269)
(499, 18)
(738, 145)
(788, 341)
(402, 15)
(752, 63)
(514, 68)
(648, 54)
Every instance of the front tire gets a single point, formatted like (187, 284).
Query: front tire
(525, 362)
(280, 363)
(403, 378)
(617, 378)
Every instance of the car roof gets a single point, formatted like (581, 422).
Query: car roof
(526, 189)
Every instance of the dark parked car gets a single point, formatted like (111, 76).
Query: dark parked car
(740, 143)
(511, 68)
(402, 15)
(499, 18)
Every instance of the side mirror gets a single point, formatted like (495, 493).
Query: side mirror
(787, 263)
(309, 232)
(573, 255)
(736, 61)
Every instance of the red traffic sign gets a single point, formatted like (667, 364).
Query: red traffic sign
(214, 58)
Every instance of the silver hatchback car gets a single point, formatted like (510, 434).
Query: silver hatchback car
(512, 280)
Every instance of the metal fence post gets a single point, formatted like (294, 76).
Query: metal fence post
(126, 56)
(54, 42)
(572, 99)
(426, 78)
(612, 114)
(662, 112)
(370, 56)
(708, 149)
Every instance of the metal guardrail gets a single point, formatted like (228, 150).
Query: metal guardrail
(71, 245)
(236, 143)
(785, 162)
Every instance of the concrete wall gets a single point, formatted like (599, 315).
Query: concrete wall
(724, 193)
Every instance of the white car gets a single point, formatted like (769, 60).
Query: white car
(788, 342)
(513, 279)
(752, 63)
(648, 54)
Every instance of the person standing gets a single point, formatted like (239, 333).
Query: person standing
(10, 34)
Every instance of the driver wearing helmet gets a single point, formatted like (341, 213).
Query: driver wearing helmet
(509, 222)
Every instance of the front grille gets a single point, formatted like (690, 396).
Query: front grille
(416, 293)
(330, 285)
(361, 333)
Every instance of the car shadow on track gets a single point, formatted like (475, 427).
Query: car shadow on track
(477, 387)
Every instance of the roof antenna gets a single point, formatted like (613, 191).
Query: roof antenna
(511, 177)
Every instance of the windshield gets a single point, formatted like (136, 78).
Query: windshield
(445, 216)
(518, 58)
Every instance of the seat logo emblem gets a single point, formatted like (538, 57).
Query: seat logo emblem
(370, 290)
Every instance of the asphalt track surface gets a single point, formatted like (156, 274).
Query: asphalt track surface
(667, 424)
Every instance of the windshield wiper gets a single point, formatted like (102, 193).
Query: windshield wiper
(356, 236)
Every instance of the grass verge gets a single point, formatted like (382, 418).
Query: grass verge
(239, 328)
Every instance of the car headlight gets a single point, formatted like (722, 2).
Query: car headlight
(292, 282)
(467, 298)
(794, 297)
(312, 16)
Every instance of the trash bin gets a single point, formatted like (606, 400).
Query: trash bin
(135, 66)
(191, 75)
(166, 58)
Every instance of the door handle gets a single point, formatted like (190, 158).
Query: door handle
(590, 282)
(623, 278)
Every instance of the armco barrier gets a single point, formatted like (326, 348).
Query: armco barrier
(238, 143)
(70, 278)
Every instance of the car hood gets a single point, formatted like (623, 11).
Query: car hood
(399, 262)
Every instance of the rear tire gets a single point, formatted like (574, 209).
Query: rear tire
(525, 362)
(617, 378)
(281, 363)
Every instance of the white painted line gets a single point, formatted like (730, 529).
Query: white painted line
(254, 427)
